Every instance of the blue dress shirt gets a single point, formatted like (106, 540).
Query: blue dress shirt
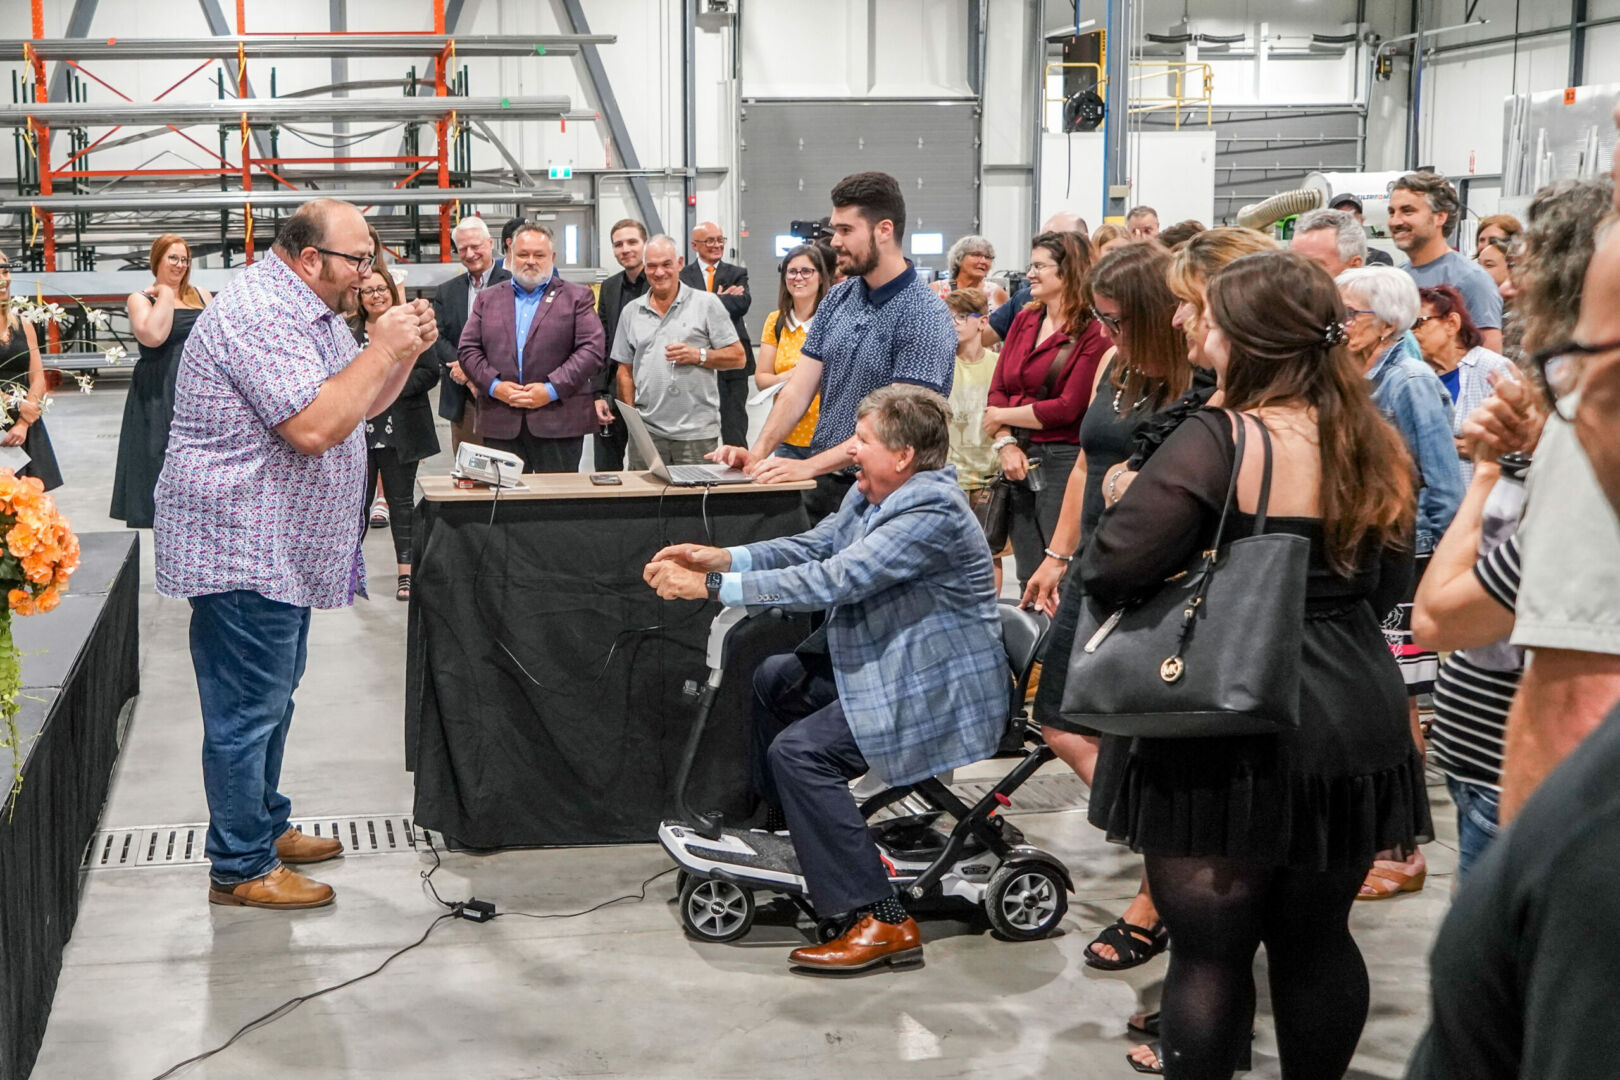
(528, 305)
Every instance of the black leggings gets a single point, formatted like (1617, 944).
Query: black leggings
(1219, 911)
(399, 488)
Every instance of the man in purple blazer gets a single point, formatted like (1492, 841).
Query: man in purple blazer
(538, 399)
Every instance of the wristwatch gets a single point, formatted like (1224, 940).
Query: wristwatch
(703, 358)
(711, 581)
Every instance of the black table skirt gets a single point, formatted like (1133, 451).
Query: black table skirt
(546, 697)
(79, 667)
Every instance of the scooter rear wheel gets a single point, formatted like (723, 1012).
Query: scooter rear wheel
(715, 910)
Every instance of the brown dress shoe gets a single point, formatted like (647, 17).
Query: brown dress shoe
(280, 889)
(866, 944)
(295, 847)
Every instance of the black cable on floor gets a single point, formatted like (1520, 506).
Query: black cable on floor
(455, 910)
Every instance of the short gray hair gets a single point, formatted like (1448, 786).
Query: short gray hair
(536, 227)
(662, 238)
(906, 415)
(1352, 237)
(968, 245)
(471, 223)
(1390, 294)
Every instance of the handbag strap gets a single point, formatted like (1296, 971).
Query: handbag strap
(1060, 364)
(1265, 478)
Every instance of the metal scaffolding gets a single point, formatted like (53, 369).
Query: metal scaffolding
(447, 110)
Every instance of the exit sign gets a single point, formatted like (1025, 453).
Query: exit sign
(562, 172)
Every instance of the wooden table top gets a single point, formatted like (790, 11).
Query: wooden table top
(636, 485)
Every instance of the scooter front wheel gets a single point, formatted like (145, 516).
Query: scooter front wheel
(715, 910)
(1025, 902)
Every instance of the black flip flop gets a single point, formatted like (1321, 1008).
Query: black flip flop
(1133, 945)
(1244, 1064)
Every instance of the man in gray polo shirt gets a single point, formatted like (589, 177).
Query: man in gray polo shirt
(669, 344)
(1423, 211)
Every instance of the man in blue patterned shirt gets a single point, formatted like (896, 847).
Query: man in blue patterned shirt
(881, 325)
(913, 677)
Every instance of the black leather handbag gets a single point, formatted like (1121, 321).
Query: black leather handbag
(992, 505)
(1215, 651)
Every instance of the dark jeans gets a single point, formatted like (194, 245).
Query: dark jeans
(543, 455)
(399, 489)
(797, 453)
(249, 654)
(827, 496)
(804, 759)
(734, 408)
(1033, 515)
(610, 447)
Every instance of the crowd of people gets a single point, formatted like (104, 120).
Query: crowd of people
(1441, 434)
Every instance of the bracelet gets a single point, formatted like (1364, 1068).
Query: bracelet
(1113, 486)
(1002, 443)
(1050, 554)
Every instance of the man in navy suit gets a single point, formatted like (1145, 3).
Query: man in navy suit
(536, 398)
(728, 281)
(451, 304)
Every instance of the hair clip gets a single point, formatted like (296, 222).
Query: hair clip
(1334, 334)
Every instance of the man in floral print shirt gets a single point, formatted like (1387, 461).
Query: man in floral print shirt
(259, 519)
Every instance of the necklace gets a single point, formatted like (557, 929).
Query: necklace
(1119, 392)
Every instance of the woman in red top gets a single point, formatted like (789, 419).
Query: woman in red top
(1041, 388)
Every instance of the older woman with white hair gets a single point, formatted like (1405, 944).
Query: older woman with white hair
(1383, 304)
(967, 265)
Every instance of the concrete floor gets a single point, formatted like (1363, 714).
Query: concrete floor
(155, 974)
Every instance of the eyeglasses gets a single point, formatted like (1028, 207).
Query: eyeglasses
(712, 240)
(1560, 365)
(960, 317)
(1112, 322)
(5, 269)
(177, 260)
(362, 263)
(1421, 319)
(799, 272)
(1035, 268)
(375, 290)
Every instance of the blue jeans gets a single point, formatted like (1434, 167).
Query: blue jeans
(1476, 821)
(797, 453)
(249, 654)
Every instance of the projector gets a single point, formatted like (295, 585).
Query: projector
(482, 465)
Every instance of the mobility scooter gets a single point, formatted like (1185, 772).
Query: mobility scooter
(980, 858)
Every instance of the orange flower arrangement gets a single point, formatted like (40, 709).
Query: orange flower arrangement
(40, 551)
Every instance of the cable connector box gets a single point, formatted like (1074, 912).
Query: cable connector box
(475, 910)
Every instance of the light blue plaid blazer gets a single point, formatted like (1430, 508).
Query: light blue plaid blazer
(913, 633)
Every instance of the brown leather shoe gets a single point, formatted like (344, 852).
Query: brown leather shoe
(864, 945)
(295, 847)
(280, 889)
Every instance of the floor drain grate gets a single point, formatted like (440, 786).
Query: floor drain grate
(178, 845)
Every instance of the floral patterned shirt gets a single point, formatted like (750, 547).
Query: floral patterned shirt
(237, 506)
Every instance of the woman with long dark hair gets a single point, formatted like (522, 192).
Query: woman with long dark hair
(162, 318)
(1147, 370)
(804, 282)
(1040, 390)
(1256, 840)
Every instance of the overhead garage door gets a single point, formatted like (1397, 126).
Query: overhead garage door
(793, 152)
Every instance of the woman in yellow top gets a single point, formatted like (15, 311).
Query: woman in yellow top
(805, 281)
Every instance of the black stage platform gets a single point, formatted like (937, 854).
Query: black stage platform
(79, 667)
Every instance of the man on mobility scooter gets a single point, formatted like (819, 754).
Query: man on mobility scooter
(907, 678)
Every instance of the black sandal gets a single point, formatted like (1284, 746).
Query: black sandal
(1244, 1064)
(404, 590)
(1133, 945)
(1149, 1025)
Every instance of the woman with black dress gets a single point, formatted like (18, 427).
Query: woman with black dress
(402, 435)
(162, 318)
(1266, 839)
(22, 389)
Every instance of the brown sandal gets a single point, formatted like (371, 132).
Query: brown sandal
(1387, 878)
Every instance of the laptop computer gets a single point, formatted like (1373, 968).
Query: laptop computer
(675, 475)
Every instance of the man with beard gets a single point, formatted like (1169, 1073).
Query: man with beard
(1423, 211)
(259, 519)
(533, 347)
(882, 325)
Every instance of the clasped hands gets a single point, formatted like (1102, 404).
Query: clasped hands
(522, 395)
(677, 572)
(1508, 421)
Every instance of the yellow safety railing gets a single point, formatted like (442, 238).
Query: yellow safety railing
(1182, 74)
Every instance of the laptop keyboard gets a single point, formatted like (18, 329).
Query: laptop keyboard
(699, 474)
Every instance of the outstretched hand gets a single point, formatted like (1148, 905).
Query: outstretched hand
(698, 557)
(674, 581)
